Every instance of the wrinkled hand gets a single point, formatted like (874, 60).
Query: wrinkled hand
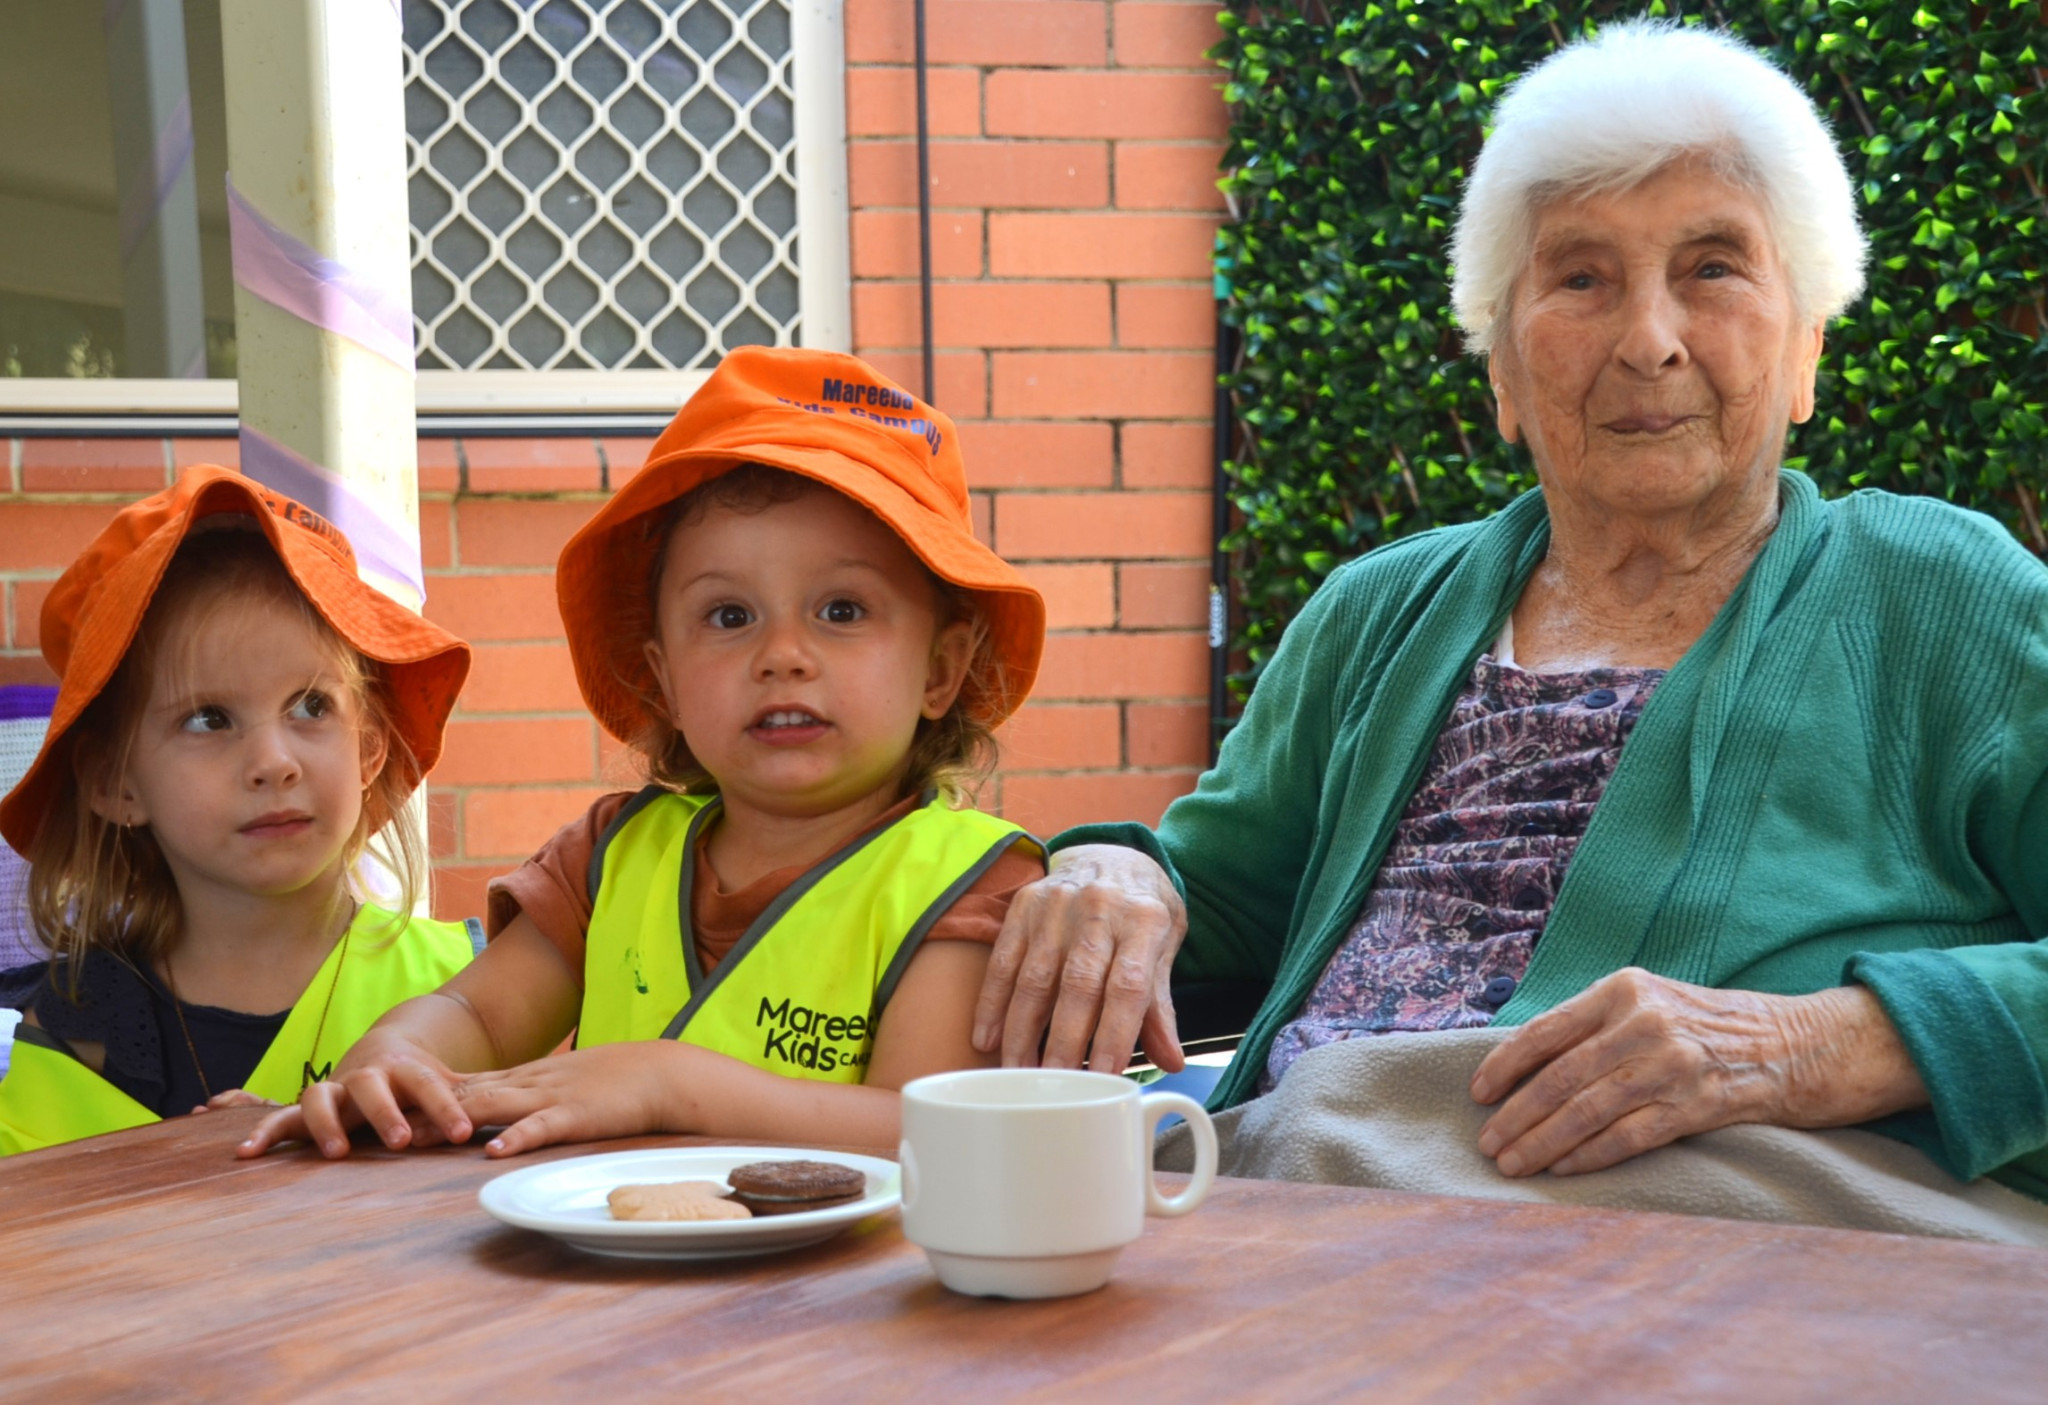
(611, 1090)
(403, 1093)
(1084, 960)
(1636, 1061)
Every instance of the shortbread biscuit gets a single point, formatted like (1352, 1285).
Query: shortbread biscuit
(675, 1200)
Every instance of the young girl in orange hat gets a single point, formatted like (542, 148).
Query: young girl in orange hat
(787, 616)
(237, 715)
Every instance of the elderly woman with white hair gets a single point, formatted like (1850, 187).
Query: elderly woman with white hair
(1731, 803)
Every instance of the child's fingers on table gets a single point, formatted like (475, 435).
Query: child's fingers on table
(236, 1097)
(386, 1096)
(433, 1091)
(328, 1112)
(551, 1124)
(424, 1131)
(365, 1096)
(496, 1099)
(285, 1125)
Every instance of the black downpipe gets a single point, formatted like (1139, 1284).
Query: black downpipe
(1219, 559)
(924, 211)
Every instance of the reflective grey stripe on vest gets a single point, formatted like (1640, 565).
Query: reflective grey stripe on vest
(938, 909)
(26, 1033)
(594, 876)
(701, 987)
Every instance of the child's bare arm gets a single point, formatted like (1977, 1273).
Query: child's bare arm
(512, 1004)
(928, 1025)
(623, 1090)
(660, 1085)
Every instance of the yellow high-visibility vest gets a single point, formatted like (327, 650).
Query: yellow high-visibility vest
(802, 990)
(50, 1097)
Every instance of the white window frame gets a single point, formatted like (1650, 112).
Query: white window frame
(824, 290)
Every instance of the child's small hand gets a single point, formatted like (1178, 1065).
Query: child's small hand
(386, 1082)
(233, 1097)
(613, 1090)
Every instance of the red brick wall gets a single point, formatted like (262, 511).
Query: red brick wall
(1073, 165)
(1074, 153)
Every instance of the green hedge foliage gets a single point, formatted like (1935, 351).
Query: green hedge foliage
(1360, 420)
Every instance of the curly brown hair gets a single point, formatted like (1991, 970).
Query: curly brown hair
(93, 883)
(951, 755)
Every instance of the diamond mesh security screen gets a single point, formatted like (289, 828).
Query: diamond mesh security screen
(599, 184)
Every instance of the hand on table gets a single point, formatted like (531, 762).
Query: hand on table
(1636, 1061)
(233, 1097)
(402, 1092)
(1084, 960)
(610, 1090)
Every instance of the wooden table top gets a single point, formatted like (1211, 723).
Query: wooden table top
(151, 1265)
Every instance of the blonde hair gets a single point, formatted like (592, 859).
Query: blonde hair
(96, 884)
(951, 755)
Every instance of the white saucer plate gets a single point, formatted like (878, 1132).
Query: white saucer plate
(566, 1199)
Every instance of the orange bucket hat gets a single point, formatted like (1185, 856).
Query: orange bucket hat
(831, 418)
(92, 614)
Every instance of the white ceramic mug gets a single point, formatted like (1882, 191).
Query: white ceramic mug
(1027, 1183)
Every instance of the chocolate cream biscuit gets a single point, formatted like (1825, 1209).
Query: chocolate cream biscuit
(792, 1187)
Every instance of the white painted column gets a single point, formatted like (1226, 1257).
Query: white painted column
(323, 277)
(159, 211)
(817, 46)
(316, 154)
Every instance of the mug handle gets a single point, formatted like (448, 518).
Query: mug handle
(1156, 1108)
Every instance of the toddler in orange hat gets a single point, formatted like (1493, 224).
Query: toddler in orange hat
(787, 616)
(237, 715)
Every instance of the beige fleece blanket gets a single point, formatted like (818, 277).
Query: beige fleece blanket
(1393, 1112)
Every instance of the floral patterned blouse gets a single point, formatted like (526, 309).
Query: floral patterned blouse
(1449, 925)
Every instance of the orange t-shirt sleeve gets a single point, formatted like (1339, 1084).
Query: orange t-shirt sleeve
(552, 887)
(979, 913)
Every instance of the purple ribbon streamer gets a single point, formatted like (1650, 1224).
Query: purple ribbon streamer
(314, 288)
(378, 543)
(142, 202)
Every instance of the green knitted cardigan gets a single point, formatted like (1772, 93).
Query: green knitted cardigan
(1844, 780)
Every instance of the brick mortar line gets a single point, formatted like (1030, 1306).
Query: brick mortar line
(58, 497)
